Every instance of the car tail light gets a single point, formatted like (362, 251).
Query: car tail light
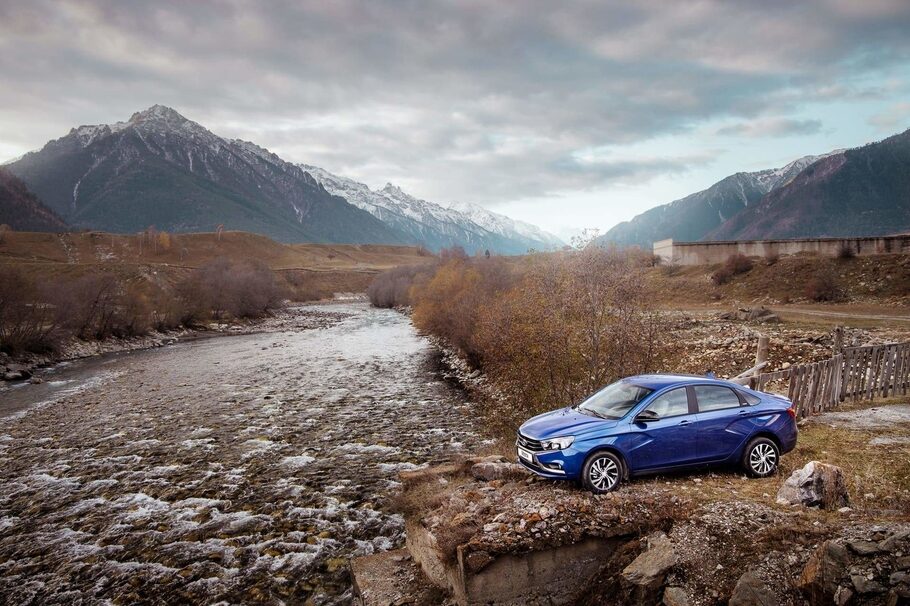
(792, 412)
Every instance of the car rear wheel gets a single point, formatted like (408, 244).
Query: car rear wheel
(761, 457)
(602, 472)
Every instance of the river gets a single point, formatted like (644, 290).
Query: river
(242, 469)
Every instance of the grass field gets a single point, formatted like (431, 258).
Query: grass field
(310, 270)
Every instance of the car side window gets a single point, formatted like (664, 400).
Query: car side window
(671, 404)
(715, 397)
(750, 399)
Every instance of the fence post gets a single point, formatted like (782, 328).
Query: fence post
(838, 340)
(761, 353)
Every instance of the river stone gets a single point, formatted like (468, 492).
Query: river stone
(646, 574)
(821, 576)
(815, 485)
(864, 548)
(752, 591)
(675, 596)
(488, 471)
(865, 585)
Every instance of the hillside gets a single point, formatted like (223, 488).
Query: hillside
(472, 227)
(309, 271)
(861, 192)
(162, 169)
(692, 217)
(22, 210)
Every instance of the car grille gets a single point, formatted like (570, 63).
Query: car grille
(529, 444)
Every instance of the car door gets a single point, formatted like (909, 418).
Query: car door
(722, 425)
(670, 440)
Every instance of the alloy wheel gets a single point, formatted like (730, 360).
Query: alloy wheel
(763, 458)
(604, 473)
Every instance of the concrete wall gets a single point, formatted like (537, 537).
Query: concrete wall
(551, 577)
(707, 253)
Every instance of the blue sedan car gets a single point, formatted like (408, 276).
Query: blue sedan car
(658, 423)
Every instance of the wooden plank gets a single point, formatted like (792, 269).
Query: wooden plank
(828, 385)
(873, 373)
(812, 388)
(805, 388)
(794, 384)
(900, 373)
(892, 366)
(905, 368)
(850, 381)
(898, 370)
(845, 374)
(857, 372)
(888, 377)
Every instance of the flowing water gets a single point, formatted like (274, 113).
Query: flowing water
(242, 469)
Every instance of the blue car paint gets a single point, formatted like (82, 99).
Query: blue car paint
(692, 440)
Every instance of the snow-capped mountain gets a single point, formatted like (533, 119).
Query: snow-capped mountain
(471, 227)
(159, 168)
(693, 217)
(506, 226)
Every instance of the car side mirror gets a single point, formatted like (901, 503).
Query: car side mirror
(647, 415)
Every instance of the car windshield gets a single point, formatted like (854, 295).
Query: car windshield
(614, 401)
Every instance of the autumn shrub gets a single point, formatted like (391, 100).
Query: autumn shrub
(27, 321)
(392, 288)
(224, 289)
(548, 331)
(735, 264)
(823, 286)
(670, 269)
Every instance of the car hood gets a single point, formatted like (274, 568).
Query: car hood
(563, 422)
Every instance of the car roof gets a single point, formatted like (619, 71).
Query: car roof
(667, 380)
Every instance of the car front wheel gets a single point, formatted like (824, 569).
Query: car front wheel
(602, 472)
(761, 457)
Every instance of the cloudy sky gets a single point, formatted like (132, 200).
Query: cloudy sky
(566, 114)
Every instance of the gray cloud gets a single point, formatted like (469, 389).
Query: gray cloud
(470, 100)
(772, 127)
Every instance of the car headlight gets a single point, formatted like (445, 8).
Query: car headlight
(558, 443)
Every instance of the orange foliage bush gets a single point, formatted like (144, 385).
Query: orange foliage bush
(548, 329)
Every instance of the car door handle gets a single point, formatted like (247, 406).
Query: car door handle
(743, 413)
(684, 422)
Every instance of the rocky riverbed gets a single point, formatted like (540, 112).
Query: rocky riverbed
(239, 469)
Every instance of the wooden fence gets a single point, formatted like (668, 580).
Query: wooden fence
(859, 373)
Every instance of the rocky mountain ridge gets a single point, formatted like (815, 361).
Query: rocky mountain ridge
(691, 218)
(472, 227)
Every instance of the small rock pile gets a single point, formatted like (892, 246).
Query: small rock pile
(868, 565)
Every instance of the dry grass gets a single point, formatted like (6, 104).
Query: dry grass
(882, 278)
(880, 471)
(194, 250)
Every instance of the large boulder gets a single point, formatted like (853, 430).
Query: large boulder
(815, 485)
(821, 577)
(645, 576)
(752, 591)
(498, 470)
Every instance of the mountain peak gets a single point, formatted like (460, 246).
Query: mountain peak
(158, 113)
(392, 189)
